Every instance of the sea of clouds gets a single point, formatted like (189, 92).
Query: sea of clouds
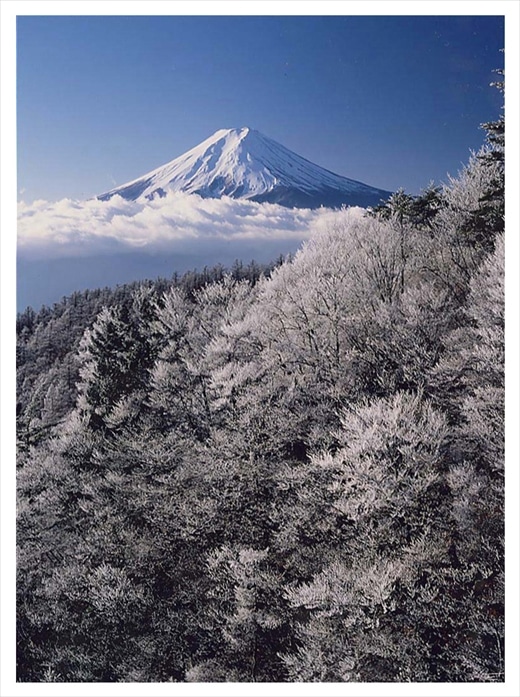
(71, 228)
(78, 245)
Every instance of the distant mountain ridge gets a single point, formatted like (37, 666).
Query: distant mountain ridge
(244, 164)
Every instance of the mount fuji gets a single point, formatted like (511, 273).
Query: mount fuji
(244, 164)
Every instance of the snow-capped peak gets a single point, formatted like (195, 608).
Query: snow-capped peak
(243, 163)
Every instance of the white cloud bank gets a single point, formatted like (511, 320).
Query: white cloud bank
(85, 228)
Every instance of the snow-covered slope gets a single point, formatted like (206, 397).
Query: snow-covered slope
(243, 163)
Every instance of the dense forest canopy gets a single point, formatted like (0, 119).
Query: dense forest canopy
(292, 473)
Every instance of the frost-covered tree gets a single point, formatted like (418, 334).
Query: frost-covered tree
(469, 385)
(191, 333)
(472, 214)
(319, 311)
(373, 612)
(493, 156)
(115, 356)
(246, 608)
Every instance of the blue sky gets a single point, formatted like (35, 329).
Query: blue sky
(391, 101)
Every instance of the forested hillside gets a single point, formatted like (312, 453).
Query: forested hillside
(283, 474)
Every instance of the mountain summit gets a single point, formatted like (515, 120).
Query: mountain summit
(243, 163)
